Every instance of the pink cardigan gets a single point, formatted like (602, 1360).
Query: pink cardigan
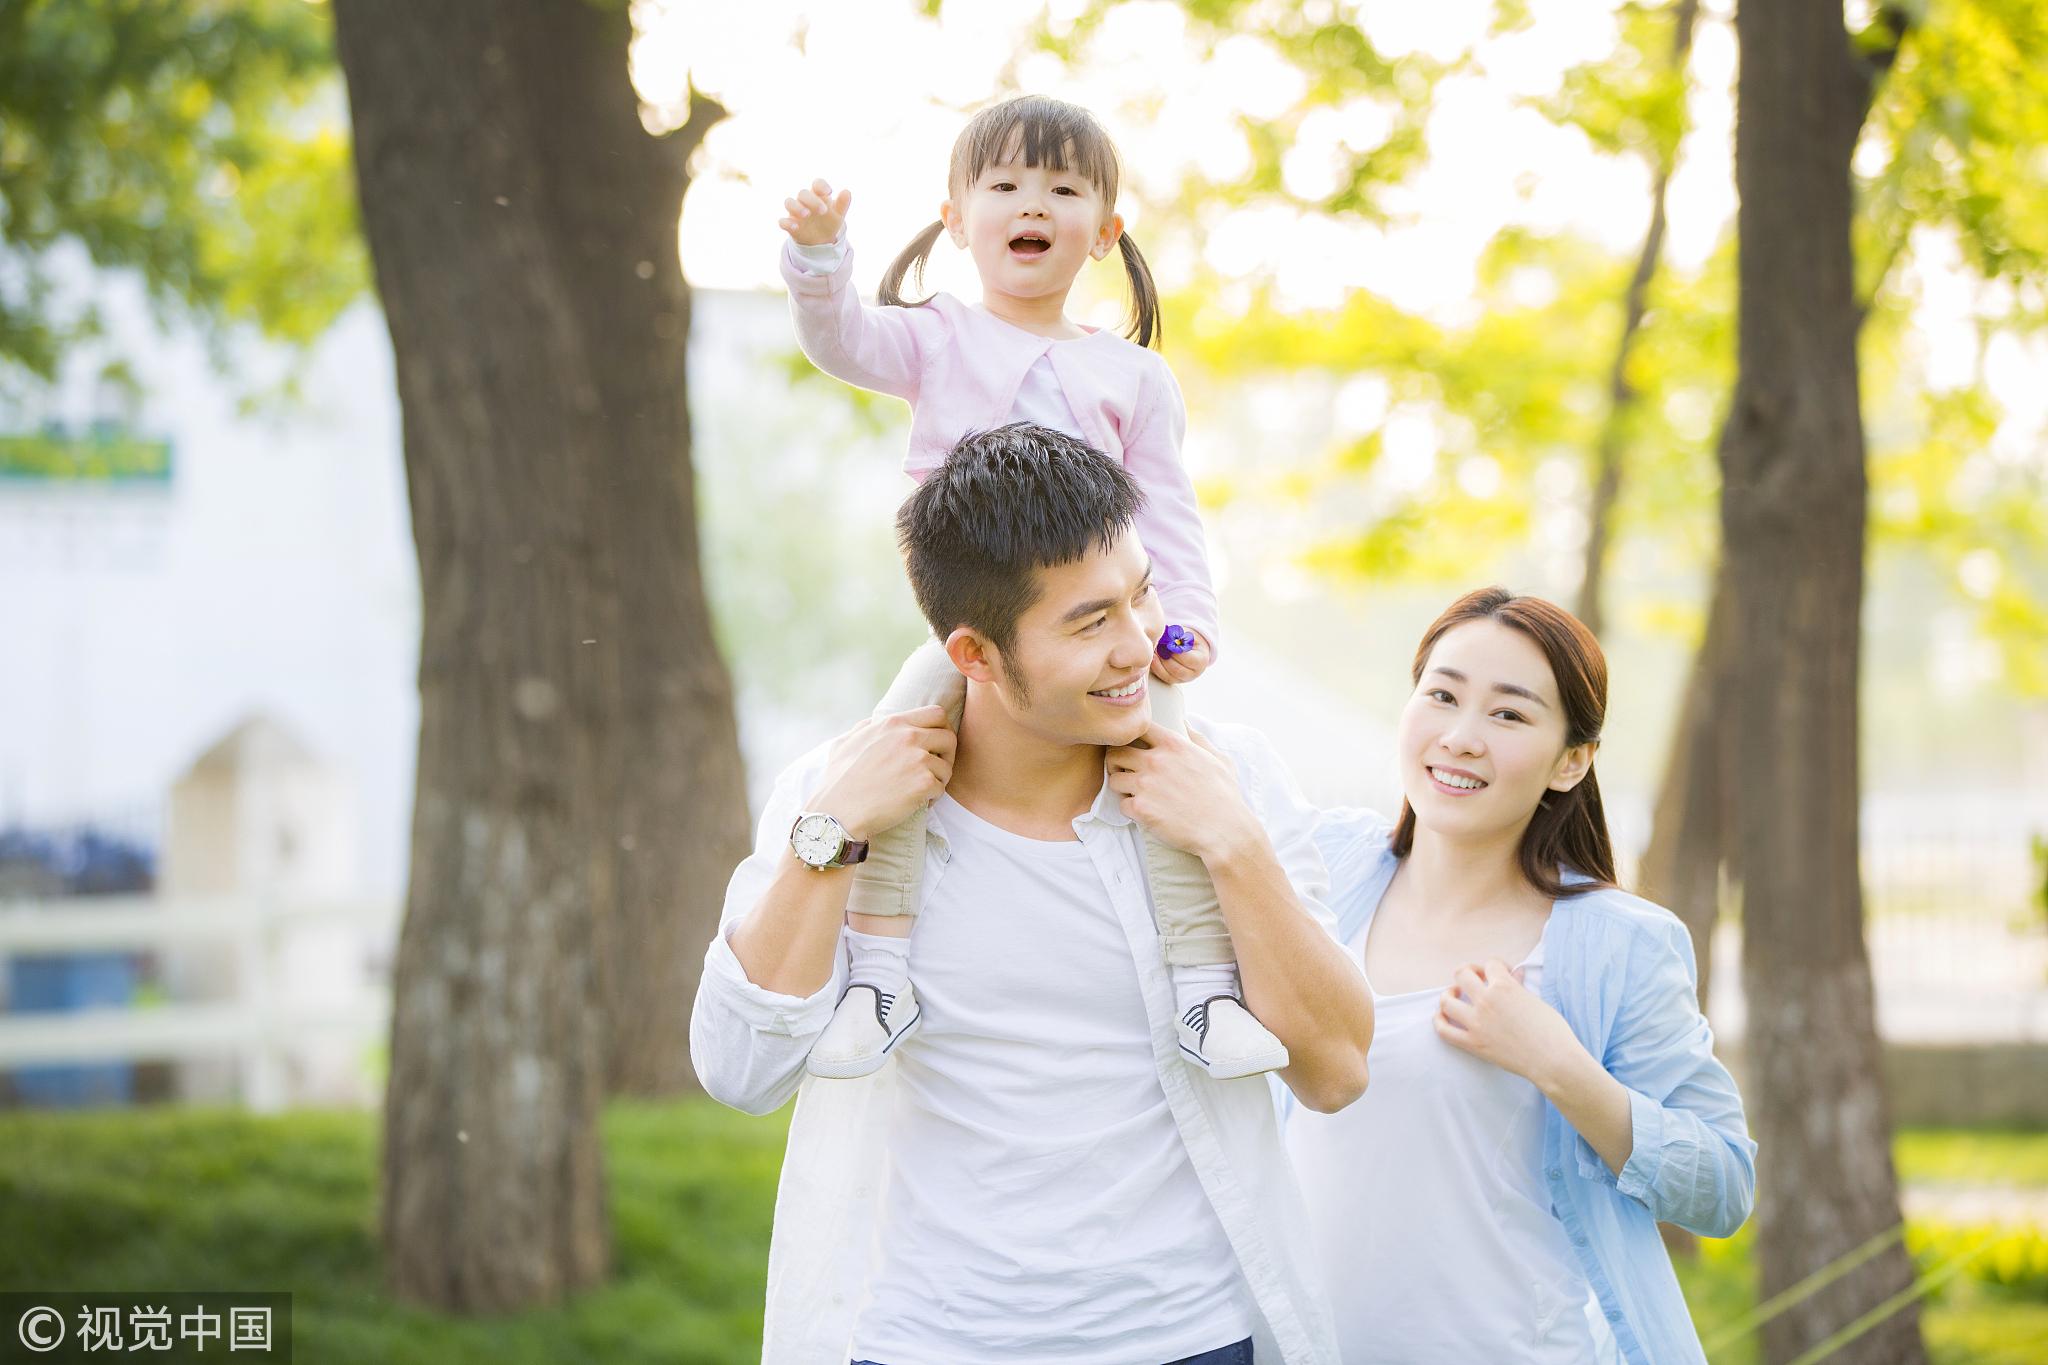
(960, 367)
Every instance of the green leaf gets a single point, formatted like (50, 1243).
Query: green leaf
(199, 143)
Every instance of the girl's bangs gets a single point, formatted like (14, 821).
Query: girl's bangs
(1043, 132)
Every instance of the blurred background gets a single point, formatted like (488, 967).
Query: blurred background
(1452, 292)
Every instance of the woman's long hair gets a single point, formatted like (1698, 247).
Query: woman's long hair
(1569, 829)
(1044, 131)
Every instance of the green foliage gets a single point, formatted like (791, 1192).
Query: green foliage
(1938, 483)
(201, 144)
(874, 414)
(1339, 64)
(2040, 845)
(1519, 391)
(1972, 1326)
(1633, 100)
(1973, 1319)
(206, 1200)
(1966, 1157)
(1522, 387)
(1951, 152)
(2011, 1256)
(102, 457)
(198, 1199)
(1957, 128)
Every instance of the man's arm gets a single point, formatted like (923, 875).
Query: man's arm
(787, 942)
(748, 1043)
(1298, 980)
(767, 990)
(1261, 854)
(878, 773)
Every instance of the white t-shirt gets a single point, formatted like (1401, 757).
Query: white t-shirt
(1040, 1205)
(1041, 400)
(1427, 1206)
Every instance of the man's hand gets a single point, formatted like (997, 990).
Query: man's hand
(1184, 791)
(884, 768)
(1186, 666)
(816, 215)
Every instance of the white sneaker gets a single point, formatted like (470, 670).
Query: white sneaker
(865, 1025)
(1220, 1036)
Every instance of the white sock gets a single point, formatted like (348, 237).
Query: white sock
(879, 961)
(1194, 984)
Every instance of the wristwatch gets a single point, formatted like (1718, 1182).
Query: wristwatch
(820, 843)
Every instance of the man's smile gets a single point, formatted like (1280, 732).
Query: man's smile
(1125, 694)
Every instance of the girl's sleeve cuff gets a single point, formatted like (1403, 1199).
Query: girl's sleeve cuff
(818, 260)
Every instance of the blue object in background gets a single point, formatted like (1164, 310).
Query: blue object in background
(74, 981)
(84, 863)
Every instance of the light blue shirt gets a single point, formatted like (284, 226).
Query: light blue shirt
(1621, 972)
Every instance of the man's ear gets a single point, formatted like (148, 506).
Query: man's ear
(971, 653)
(955, 221)
(1106, 240)
(1573, 767)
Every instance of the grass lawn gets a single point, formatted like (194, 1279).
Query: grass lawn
(1968, 1321)
(175, 1199)
(1952, 1156)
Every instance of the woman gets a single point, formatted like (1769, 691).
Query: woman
(1544, 1087)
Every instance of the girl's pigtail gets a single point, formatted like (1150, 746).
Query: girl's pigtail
(1144, 326)
(911, 262)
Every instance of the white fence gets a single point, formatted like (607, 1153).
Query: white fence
(282, 998)
(304, 1010)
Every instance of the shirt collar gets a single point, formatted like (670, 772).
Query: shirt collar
(1106, 809)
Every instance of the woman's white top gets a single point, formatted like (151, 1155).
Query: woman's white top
(1428, 1210)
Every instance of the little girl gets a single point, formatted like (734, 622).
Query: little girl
(1032, 198)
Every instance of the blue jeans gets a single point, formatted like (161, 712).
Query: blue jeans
(1240, 1353)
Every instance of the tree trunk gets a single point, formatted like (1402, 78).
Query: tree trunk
(1621, 394)
(1692, 818)
(1684, 840)
(1792, 515)
(579, 800)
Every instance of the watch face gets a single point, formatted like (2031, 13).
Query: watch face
(817, 839)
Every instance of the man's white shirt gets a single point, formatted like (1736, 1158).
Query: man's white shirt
(1040, 1206)
(910, 1134)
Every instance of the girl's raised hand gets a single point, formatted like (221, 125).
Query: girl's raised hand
(1185, 666)
(816, 215)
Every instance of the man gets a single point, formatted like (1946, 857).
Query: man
(1038, 1177)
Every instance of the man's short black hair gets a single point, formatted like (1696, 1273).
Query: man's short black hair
(1004, 504)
